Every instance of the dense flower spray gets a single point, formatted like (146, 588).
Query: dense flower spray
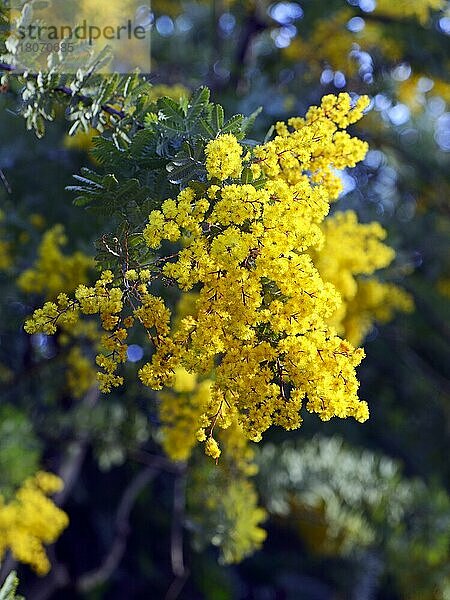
(30, 519)
(250, 239)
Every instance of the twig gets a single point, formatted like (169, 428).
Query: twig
(5, 182)
(176, 549)
(156, 461)
(252, 27)
(176, 544)
(87, 100)
(110, 562)
(176, 586)
(71, 466)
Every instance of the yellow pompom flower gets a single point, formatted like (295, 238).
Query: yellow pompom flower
(212, 448)
(223, 157)
(30, 520)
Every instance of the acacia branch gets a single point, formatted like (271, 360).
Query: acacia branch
(86, 100)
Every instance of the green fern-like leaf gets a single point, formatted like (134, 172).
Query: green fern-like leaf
(8, 589)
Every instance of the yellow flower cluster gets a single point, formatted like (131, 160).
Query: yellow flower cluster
(181, 410)
(54, 271)
(99, 299)
(30, 520)
(374, 301)
(261, 317)
(233, 517)
(223, 157)
(240, 506)
(317, 146)
(351, 251)
(80, 375)
(260, 324)
(53, 275)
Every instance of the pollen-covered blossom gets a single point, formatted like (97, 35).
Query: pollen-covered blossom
(212, 448)
(30, 519)
(223, 157)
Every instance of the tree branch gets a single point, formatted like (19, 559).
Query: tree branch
(111, 561)
(252, 27)
(5, 182)
(176, 543)
(87, 100)
(156, 461)
(69, 469)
